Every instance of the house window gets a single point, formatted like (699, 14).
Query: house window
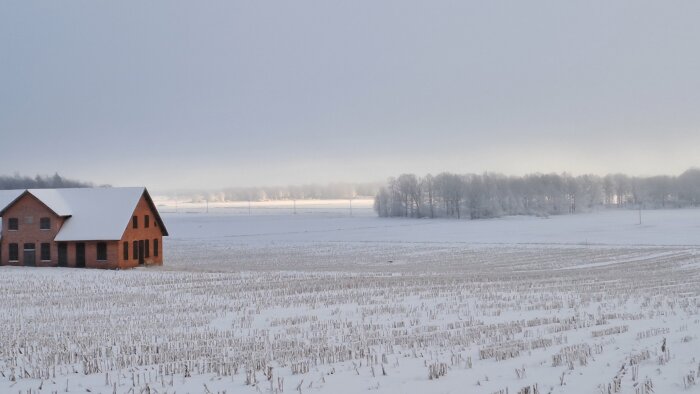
(126, 250)
(146, 249)
(146, 221)
(102, 251)
(135, 222)
(155, 247)
(45, 252)
(14, 252)
(45, 223)
(135, 250)
(13, 224)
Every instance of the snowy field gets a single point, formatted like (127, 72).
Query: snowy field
(325, 302)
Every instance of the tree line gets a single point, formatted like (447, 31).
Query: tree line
(16, 181)
(331, 191)
(488, 195)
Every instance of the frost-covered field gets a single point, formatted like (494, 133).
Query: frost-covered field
(328, 303)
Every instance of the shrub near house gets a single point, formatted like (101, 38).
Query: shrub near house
(85, 227)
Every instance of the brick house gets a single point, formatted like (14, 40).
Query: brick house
(86, 227)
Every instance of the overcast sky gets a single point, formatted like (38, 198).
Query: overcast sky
(174, 94)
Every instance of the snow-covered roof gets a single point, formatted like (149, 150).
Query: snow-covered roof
(95, 214)
(8, 196)
(53, 198)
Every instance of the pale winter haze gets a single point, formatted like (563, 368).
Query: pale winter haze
(381, 197)
(251, 93)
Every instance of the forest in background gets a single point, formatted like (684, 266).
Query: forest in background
(489, 195)
(55, 181)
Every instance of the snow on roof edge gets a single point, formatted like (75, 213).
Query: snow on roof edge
(94, 213)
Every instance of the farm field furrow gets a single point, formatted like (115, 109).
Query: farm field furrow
(274, 314)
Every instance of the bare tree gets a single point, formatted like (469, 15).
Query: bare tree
(428, 183)
(491, 195)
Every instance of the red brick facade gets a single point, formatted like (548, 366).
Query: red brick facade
(28, 238)
(28, 211)
(151, 234)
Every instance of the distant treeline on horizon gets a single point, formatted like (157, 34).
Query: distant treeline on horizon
(492, 195)
(12, 182)
(331, 191)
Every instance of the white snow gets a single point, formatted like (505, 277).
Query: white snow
(98, 213)
(613, 227)
(94, 213)
(572, 304)
(55, 199)
(7, 196)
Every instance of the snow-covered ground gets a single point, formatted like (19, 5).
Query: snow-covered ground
(612, 227)
(322, 302)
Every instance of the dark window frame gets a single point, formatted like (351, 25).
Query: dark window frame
(134, 221)
(45, 223)
(146, 221)
(101, 251)
(45, 251)
(126, 250)
(12, 224)
(155, 247)
(13, 249)
(146, 248)
(136, 251)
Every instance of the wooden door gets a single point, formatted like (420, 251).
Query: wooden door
(29, 255)
(62, 254)
(80, 254)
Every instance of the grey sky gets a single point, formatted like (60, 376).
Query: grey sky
(174, 94)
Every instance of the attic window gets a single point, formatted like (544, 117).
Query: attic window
(13, 224)
(135, 222)
(146, 221)
(45, 223)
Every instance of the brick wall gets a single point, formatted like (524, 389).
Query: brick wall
(142, 233)
(29, 210)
